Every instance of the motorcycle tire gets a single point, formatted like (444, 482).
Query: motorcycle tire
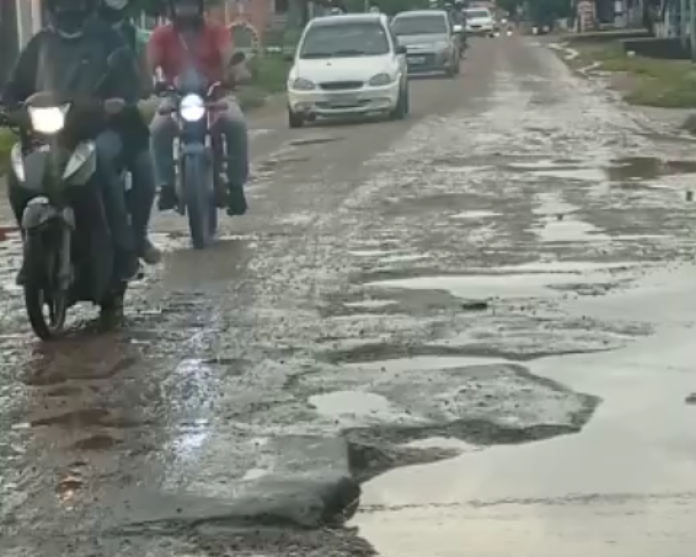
(201, 208)
(41, 290)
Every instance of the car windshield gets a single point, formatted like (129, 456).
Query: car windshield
(345, 40)
(420, 25)
(478, 14)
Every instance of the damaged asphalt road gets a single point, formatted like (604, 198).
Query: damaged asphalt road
(453, 335)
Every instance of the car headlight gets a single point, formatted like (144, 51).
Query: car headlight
(300, 84)
(192, 108)
(48, 120)
(442, 45)
(380, 79)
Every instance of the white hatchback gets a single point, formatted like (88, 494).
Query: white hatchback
(347, 65)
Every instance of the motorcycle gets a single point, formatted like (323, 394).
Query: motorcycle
(68, 250)
(197, 153)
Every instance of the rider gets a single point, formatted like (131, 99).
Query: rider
(69, 56)
(134, 134)
(190, 38)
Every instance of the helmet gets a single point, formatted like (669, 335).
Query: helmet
(114, 11)
(184, 10)
(335, 11)
(374, 9)
(68, 17)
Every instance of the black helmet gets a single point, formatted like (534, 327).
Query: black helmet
(114, 11)
(186, 12)
(68, 17)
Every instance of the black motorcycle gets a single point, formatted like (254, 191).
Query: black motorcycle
(68, 249)
(194, 104)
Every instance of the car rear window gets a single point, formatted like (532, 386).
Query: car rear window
(343, 40)
(420, 25)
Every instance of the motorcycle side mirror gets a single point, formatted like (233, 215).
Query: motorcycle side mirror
(237, 58)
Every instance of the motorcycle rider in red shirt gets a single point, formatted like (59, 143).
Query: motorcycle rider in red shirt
(190, 38)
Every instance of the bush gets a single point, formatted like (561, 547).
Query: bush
(660, 83)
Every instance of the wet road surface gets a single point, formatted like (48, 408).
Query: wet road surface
(481, 318)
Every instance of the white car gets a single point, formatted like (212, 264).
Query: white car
(347, 65)
(480, 21)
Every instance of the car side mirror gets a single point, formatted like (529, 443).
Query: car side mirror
(401, 49)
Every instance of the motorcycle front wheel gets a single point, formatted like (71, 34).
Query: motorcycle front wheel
(46, 303)
(201, 208)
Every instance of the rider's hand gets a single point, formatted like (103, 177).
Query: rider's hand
(114, 106)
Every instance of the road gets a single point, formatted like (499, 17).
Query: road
(463, 334)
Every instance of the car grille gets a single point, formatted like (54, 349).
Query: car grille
(340, 85)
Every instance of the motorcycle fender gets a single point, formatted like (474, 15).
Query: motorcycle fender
(193, 149)
(82, 164)
(189, 150)
(39, 211)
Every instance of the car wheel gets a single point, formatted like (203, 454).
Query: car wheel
(401, 109)
(295, 120)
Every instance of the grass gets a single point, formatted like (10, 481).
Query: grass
(269, 76)
(652, 82)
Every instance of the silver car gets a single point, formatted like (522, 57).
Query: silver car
(431, 43)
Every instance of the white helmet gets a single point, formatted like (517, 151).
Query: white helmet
(374, 10)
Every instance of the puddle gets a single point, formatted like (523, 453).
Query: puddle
(420, 364)
(370, 304)
(474, 215)
(358, 404)
(314, 140)
(569, 231)
(647, 168)
(485, 286)
(622, 486)
(627, 169)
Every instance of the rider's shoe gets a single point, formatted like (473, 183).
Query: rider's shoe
(167, 198)
(21, 278)
(236, 201)
(149, 252)
(127, 265)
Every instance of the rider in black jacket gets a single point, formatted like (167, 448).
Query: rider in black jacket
(69, 57)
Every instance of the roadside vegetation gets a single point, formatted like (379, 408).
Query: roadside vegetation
(647, 81)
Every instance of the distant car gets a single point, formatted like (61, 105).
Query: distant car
(432, 45)
(480, 22)
(345, 65)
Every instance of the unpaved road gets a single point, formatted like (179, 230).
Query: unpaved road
(481, 317)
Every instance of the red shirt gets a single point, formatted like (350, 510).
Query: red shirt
(166, 49)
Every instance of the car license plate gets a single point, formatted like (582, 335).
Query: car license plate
(344, 100)
(415, 60)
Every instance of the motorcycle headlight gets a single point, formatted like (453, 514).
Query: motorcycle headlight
(192, 108)
(48, 120)
(300, 84)
(380, 79)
